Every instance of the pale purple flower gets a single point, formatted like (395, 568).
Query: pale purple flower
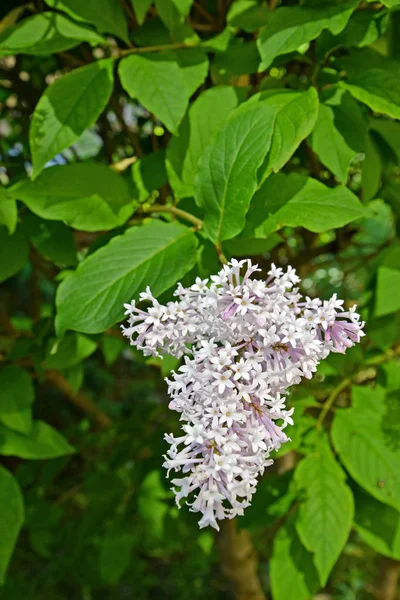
(245, 342)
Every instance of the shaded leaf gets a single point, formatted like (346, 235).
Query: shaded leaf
(8, 211)
(289, 28)
(71, 350)
(16, 399)
(12, 518)
(374, 80)
(387, 291)
(14, 252)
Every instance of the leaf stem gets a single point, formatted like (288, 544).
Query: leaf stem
(222, 258)
(177, 212)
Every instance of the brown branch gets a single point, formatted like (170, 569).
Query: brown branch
(389, 576)
(239, 561)
(80, 400)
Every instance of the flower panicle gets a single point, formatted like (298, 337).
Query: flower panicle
(244, 341)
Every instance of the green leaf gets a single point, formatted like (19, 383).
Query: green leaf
(248, 15)
(111, 347)
(16, 399)
(365, 448)
(55, 241)
(289, 28)
(87, 196)
(240, 58)
(390, 132)
(292, 572)
(68, 107)
(183, 6)
(71, 350)
(45, 33)
(149, 174)
(8, 211)
(337, 154)
(299, 201)
(14, 251)
(227, 174)
(295, 114)
(374, 80)
(42, 442)
(206, 116)
(115, 556)
(141, 7)
(326, 513)
(75, 376)
(157, 254)
(387, 291)
(392, 375)
(164, 82)
(106, 15)
(383, 533)
(12, 518)
(372, 167)
(363, 28)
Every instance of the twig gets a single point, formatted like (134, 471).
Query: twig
(80, 400)
(371, 362)
(174, 211)
(239, 561)
(158, 48)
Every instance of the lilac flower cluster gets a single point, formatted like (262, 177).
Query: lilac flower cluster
(245, 342)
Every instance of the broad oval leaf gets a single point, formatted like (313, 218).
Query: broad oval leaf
(206, 116)
(141, 7)
(12, 518)
(87, 196)
(42, 442)
(299, 201)
(292, 572)
(326, 513)
(163, 82)
(227, 174)
(106, 15)
(68, 107)
(16, 399)
(373, 79)
(288, 28)
(45, 33)
(157, 254)
(365, 447)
